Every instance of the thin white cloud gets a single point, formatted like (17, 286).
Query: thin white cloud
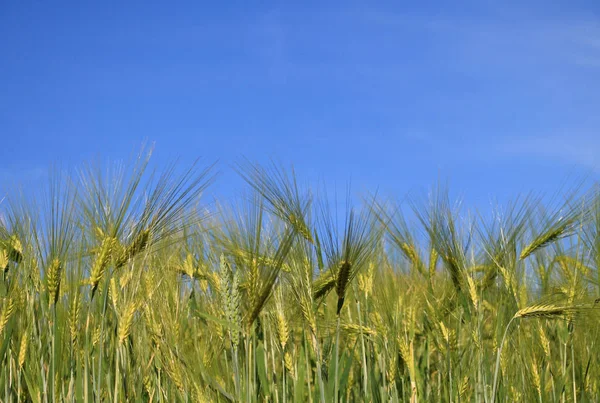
(550, 58)
(378, 45)
(576, 149)
(16, 176)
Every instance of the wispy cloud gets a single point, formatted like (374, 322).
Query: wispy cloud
(498, 70)
(361, 45)
(575, 149)
(14, 176)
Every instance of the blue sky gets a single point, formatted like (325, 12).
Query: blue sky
(495, 98)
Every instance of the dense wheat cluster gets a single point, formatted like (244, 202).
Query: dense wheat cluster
(120, 284)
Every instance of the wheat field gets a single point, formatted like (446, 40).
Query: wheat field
(123, 283)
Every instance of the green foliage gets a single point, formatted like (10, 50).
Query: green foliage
(118, 286)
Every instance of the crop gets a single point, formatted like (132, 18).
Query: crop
(125, 284)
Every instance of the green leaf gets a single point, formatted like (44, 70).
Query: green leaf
(345, 373)
(262, 371)
(34, 392)
(300, 384)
